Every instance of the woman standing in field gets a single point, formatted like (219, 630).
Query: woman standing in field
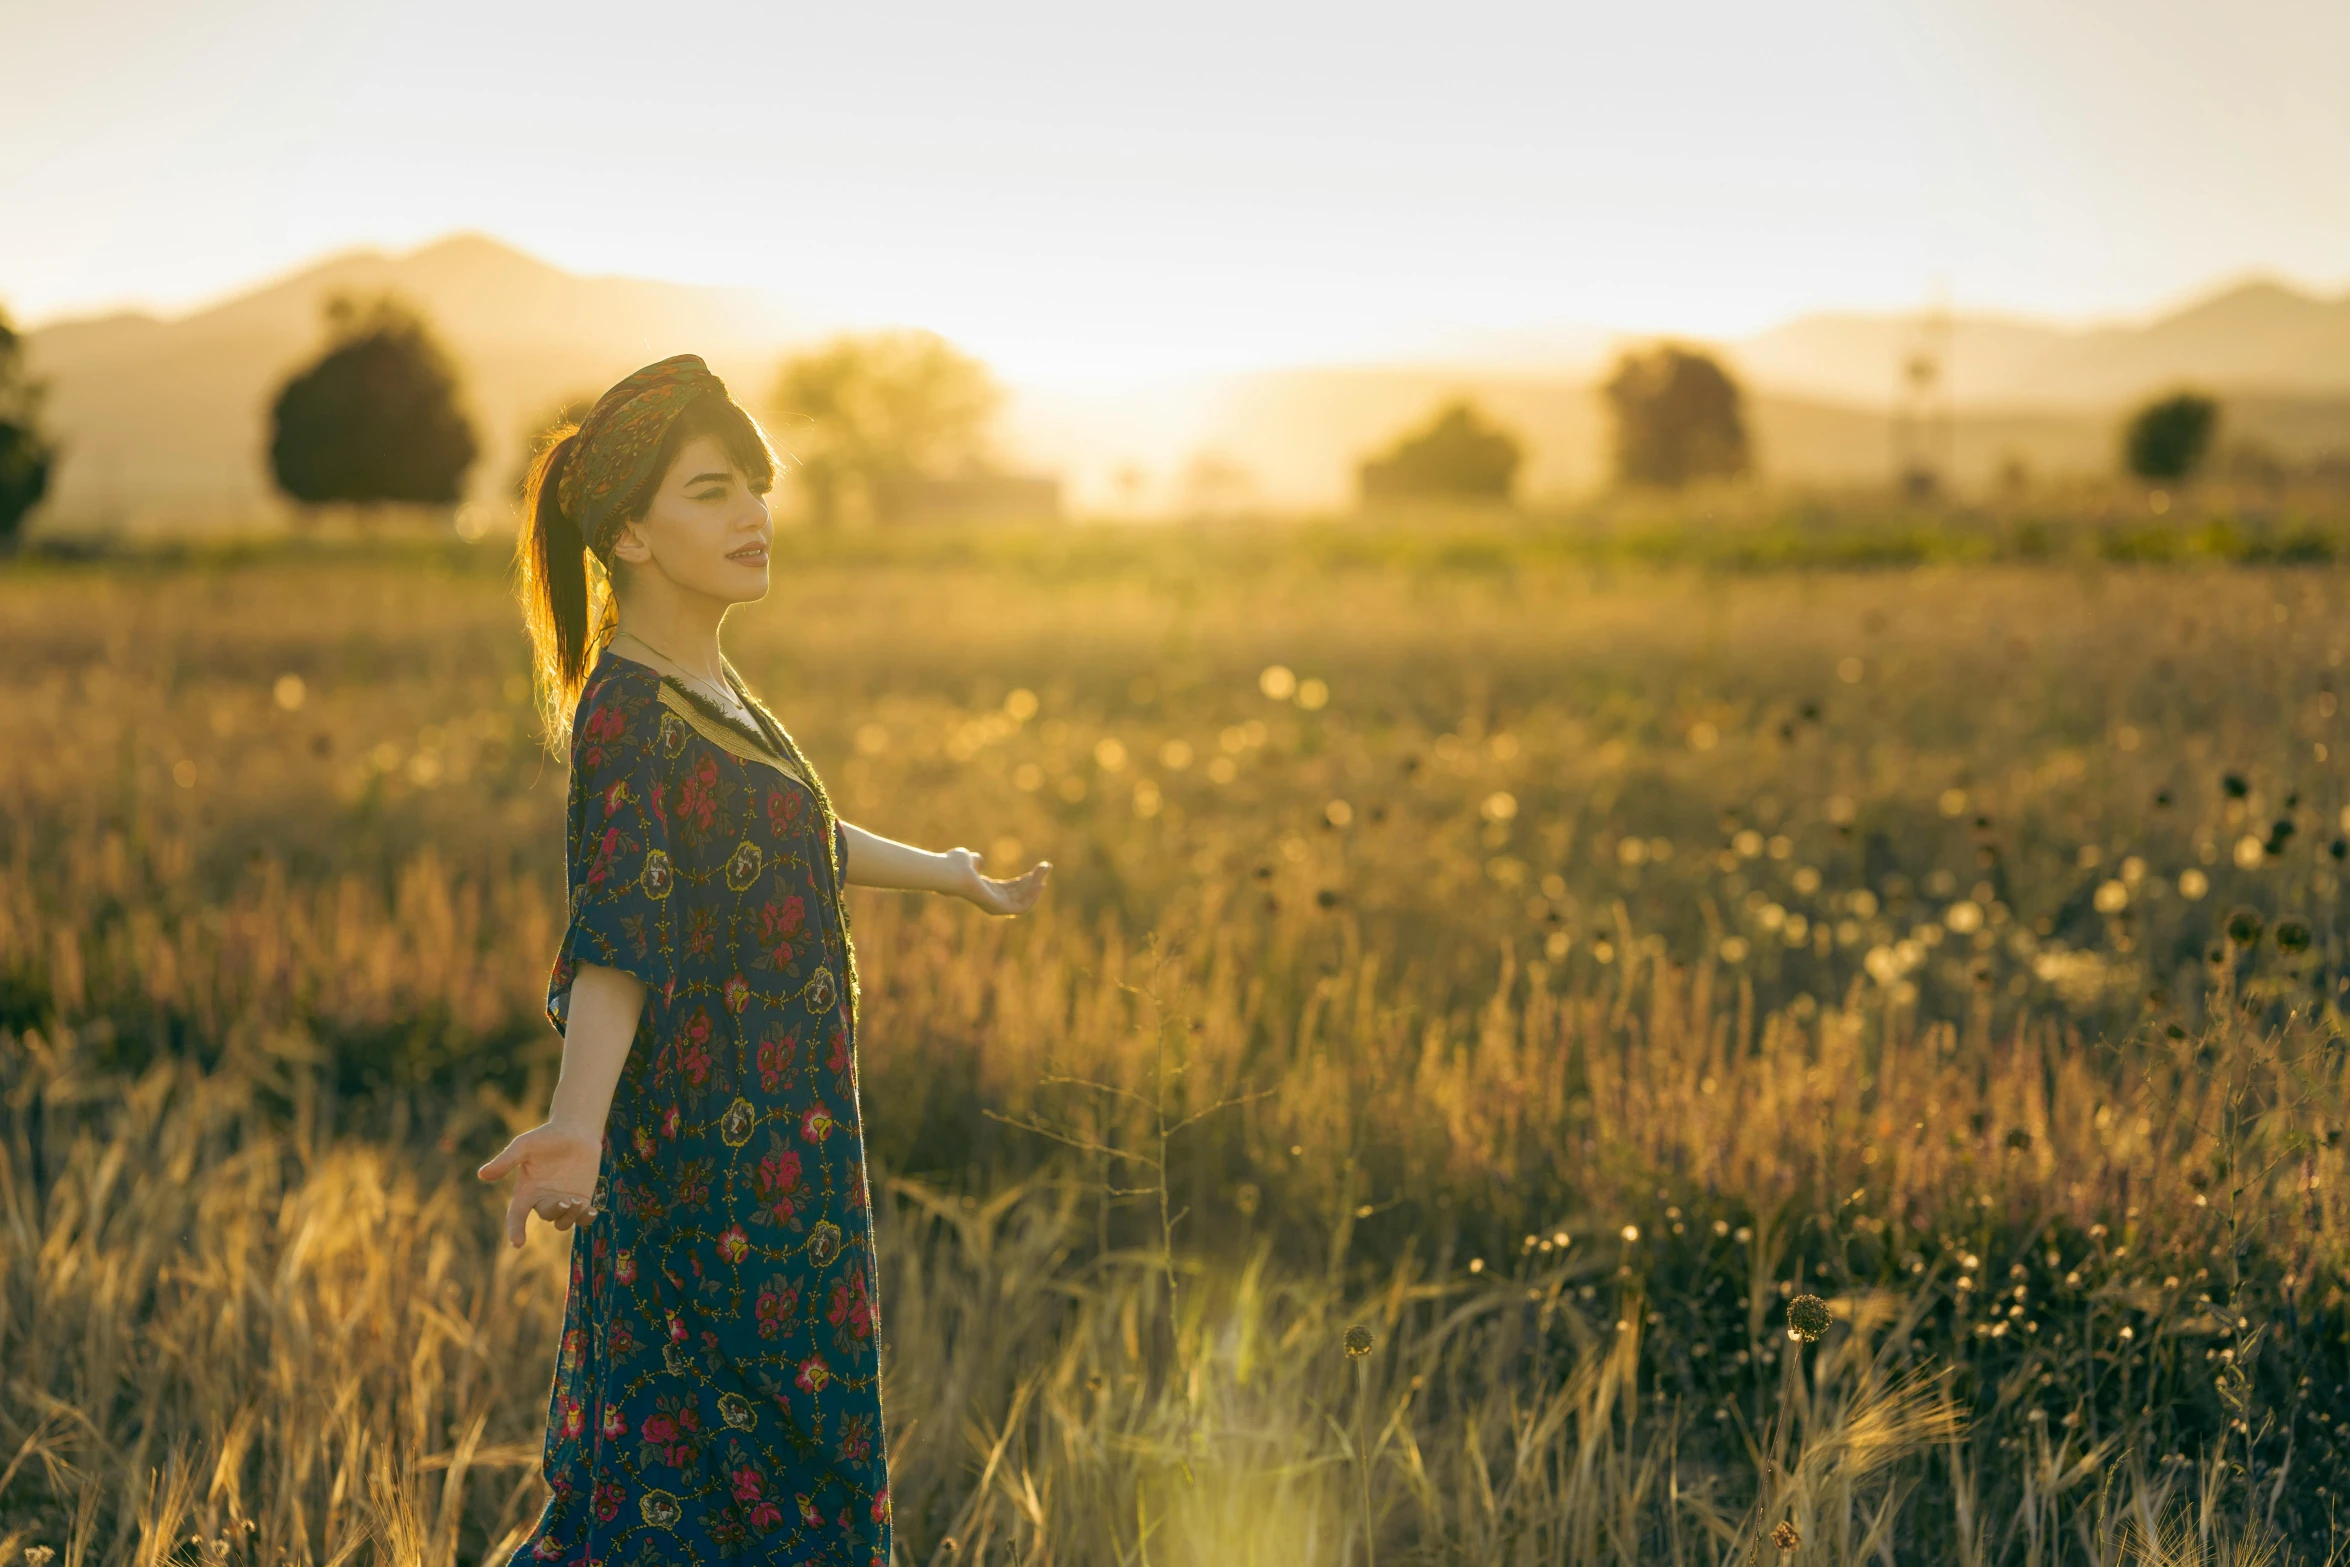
(717, 1391)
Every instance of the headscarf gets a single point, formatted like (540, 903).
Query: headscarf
(620, 441)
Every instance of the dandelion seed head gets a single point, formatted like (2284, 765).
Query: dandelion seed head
(1807, 1318)
(1358, 1342)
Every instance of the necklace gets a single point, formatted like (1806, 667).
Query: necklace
(724, 696)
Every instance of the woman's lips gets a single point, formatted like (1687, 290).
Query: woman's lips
(753, 555)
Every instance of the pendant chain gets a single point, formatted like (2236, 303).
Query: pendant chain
(725, 696)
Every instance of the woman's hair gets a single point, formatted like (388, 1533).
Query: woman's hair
(566, 589)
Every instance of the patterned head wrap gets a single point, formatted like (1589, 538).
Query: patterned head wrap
(620, 440)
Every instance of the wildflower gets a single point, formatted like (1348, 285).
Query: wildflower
(1358, 1342)
(2244, 925)
(1807, 1320)
(1786, 1537)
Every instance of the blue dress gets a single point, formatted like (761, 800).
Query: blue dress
(717, 1393)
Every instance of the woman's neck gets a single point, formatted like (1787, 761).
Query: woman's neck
(685, 634)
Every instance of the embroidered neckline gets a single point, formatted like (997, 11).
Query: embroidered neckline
(718, 715)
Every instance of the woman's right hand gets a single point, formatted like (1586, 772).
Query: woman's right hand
(557, 1166)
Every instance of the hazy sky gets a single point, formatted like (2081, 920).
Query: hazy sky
(1077, 189)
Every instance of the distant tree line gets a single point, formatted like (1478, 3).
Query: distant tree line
(1678, 417)
(870, 420)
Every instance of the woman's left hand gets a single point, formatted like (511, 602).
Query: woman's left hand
(1014, 896)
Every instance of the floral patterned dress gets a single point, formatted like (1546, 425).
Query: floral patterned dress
(717, 1393)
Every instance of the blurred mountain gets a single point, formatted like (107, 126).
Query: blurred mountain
(2257, 336)
(165, 422)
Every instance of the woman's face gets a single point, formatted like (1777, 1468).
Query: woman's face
(706, 531)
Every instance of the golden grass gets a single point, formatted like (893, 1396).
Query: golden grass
(1590, 963)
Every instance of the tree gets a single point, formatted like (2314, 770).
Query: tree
(1455, 454)
(2168, 439)
(1678, 417)
(863, 411)
(376, 419)
(26, 455)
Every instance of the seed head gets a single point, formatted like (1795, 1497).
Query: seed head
(1807, 1318)
(1785, 1536)
(2292, 935)
(2244, 925)
(1358, 1342)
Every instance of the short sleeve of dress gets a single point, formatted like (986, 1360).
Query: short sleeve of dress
(620, 869)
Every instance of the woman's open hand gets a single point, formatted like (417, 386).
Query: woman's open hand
(557, 1165)
(1014, 896)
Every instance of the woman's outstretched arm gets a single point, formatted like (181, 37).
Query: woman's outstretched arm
(875, 861)
(558, 1161)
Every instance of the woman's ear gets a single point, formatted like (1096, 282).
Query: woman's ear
(632, 546)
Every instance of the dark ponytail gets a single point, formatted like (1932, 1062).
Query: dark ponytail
(566, 598)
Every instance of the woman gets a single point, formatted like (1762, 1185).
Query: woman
(717, 1392)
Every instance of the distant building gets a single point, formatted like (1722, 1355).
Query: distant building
(970, 498)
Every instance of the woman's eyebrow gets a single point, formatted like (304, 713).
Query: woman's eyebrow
(701, 477)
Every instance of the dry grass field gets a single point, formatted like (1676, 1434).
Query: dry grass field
(1547, 964)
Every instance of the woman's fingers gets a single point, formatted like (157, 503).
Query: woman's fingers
(1018, 894)
(507, 1159)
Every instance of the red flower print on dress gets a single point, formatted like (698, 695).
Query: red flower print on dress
(817, 1124)
(783, 811)
(624, 1266)
(856, 1439)
(608, 1499)
(814, 1373)
(669, 1120)
(615, 1423)
(547, 1549)
(738, 995)
(881, 1505)
(669, 1435)
(644, 1145)
(779, 922)
(808, 1513)
(746, 1483)
(693, 1049)
(574, 1418)
(777, 1178)
(605, 727)
(733, 1244)
(852, 1311)
(775, 1057)
(697, 795)
(606, 847)
(839, 1059)
(623, 1341)
(777, 1302)
(615, 797)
